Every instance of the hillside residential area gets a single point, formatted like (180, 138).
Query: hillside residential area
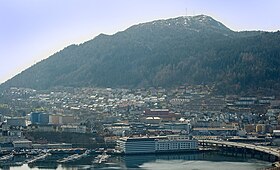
(141, 85)
(99, 117)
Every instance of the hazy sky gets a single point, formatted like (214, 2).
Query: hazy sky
(31, 30)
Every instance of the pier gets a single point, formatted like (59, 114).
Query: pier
(74, 157)
(7, 157)
(39, 157)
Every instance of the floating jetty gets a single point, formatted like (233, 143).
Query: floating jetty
(74, 157)
(101, 158)
(39, 157)
(67, 151)
(11, 164)
(7, 157)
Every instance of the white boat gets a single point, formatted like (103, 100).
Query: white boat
(101, 158)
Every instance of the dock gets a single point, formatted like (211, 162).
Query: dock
(39, 157)
(74, 157)
(7, 157)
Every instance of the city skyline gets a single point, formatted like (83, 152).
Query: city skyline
(34, 30)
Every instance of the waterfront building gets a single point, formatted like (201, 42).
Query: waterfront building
(55, 119)
(10, 133)
(175, 144)
(156, 144)
(22, 144)
(44, 118)
(8, 146)
(16, 121)
(136, 145)
(39, 118)
(35, 117)
(52, 146)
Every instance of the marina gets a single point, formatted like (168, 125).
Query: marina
(149, 161)
(34, 156)
(96, 157)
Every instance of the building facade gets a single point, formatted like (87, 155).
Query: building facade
(136, 145)
(16, 121)
(173, 143)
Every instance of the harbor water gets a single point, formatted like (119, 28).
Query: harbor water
(186, 161)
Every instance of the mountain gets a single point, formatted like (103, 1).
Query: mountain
(192, 50)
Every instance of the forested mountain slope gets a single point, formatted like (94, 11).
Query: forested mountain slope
(192, 50)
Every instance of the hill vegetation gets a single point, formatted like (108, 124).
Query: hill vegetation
(166, 53)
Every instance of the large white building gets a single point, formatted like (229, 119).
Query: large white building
(136, 145)
(175, 143)
(172, 143)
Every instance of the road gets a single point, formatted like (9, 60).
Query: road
(265, 149)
